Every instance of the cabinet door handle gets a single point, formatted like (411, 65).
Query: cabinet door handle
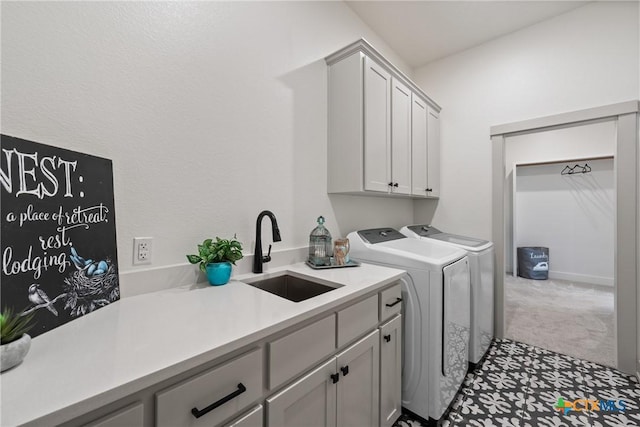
(398, 301)
(335, 378)
(395, 185)
(390, 184)
(198, 413)
(345, 370)
(387, 338)
(428, 190)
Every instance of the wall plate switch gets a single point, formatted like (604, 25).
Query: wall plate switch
(142, 250)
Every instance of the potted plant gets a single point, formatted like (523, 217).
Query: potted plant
(14, 341)
(216, 257)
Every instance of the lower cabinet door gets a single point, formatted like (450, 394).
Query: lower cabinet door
(390, 371)
(253, 418)
(359, 385)
(310, 401)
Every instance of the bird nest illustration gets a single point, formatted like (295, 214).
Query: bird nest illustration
(87, 293)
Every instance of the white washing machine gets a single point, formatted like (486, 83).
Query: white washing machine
(481, 256)
(436, 314)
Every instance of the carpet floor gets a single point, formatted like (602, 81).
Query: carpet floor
(569, 318)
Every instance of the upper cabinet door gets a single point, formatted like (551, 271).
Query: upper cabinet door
(400, 138)
(419, 182)
(433, 138)
(377, 133)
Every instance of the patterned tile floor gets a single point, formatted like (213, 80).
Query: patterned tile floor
(519, 385)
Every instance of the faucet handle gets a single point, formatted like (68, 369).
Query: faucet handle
(268, 257)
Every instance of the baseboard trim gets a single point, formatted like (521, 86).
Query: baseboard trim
(583, 278)
(573, 277)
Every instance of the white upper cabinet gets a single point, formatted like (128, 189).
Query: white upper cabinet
(433, 149)
(400, 138)
(380, 140)
(377, 136)
(419, 161)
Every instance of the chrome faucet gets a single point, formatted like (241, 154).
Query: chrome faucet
(258, 259)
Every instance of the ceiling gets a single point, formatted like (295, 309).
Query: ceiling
(423, 31)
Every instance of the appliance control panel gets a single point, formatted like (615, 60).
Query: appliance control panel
(424, 230)
(379, 235)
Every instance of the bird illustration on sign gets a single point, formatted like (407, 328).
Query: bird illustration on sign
(40, 298)
(92, 285)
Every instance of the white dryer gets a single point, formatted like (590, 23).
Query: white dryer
(481, 258)
(436, 314)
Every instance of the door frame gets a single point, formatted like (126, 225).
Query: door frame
(626, 260)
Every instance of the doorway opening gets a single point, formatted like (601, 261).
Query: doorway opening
(559, 287)
(623, 119)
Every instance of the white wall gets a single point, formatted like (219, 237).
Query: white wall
(595, 139)
(210, 111)
(573, 215)
(585, 58)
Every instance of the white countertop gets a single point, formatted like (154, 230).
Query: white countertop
(139, 341)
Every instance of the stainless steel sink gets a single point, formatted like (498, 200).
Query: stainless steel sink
(291, 287)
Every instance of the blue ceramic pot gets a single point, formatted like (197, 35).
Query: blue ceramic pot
(218, 273)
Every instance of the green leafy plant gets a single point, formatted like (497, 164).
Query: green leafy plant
(220, 250)
(13, 326)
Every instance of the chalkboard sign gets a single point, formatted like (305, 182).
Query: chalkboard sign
(58, 237)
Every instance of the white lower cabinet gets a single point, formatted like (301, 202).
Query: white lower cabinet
(341, 370)
(210, 398)
(390, 371)
(253, 418)
(357, 319)
(310, 401)
(343, 391)
(311, 344)
(358, 396)
(390, 302)
(130, 416)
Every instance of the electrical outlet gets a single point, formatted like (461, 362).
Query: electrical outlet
(142, 250)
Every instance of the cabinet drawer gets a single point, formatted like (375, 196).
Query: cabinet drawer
(239, 382)
(253, 418)
(390, 302)
(130, 416)
(294, 353)
(356, 320)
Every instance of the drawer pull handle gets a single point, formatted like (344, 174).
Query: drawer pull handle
(398, 301)
(198, 413)
(345, 370)
(335, 378)
(387, 338)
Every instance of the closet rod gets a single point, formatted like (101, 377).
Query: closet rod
(553, 162)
